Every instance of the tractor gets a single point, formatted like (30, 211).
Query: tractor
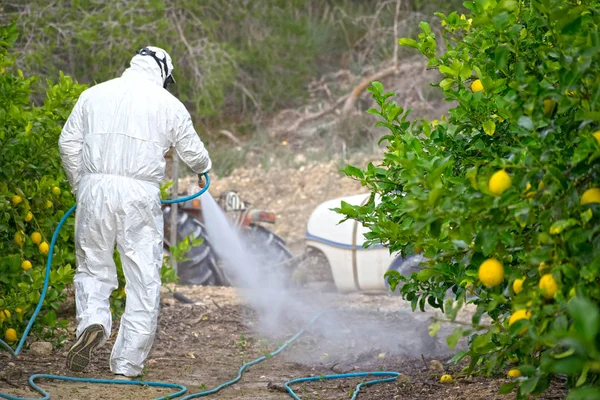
(202, 266)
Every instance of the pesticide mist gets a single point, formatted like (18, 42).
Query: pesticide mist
(282, 310)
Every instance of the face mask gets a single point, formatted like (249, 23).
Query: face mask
(169, 79)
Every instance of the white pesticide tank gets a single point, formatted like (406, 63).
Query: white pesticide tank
(353, 267)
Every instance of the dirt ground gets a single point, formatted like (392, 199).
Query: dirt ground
(202, 345)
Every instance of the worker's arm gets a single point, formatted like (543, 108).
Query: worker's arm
(189, 146)
(70, 144)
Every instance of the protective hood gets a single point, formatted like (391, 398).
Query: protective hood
(148, 66)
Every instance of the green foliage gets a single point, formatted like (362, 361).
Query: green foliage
(31, 170)
(234, 60)
(535, 118)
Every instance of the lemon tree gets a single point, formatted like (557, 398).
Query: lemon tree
(34, 195)
(502, 194)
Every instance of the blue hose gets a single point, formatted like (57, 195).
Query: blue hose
(391, 376)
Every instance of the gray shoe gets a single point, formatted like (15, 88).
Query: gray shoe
(80, 353)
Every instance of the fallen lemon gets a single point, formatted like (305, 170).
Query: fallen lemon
(499, 182)
(16, 200)
(26, 265)
(476, 86)
(518, 285)
(56, 191)
(591, 196)
(549, 286)
(20, 238)
(446, 378)
(29, 216)
(491, 272)
(36, 238)
(514, 373)
(10, 335)
(44, 248)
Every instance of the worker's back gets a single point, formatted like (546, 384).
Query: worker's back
(131, 117)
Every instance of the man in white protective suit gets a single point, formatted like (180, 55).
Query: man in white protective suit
(112, 149)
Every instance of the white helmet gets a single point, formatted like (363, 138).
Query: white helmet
(163, 59)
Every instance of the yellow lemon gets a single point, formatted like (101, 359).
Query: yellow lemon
(36, 238)
(476, 86)
(7, 313)
(518, 285)
(499, 182)
(542, 267)
(597, 136)
(16, 200)
(591, 196)
(463, 17)
(549, 286)
(446, 379)
(29, 216)
(10, 335)
(49, 204)
(56, 191)
(519, 315)
(26, 265)
(514, 373)
(548, 106)
(20, 238)
(18, 310)
(44, 248)
(491, 272)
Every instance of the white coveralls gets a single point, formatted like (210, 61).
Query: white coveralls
(112, 148)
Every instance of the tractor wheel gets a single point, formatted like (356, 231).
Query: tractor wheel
(270, 252)
(200, 266)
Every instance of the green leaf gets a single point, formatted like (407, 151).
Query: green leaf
(454, 337)
(446, 84)
(501, 56)
(425, 274)
(434, 328)
(408, 42)
(586, 318)
(486, 240)
(507, 388)
(529, 384)
(489, 127)
(472, 176)
(425, 27)
(559, 226)
(583, 376)
(586, 393)
(353, 172)
(525, 122)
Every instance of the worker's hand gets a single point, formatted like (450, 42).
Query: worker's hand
(201, 181)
